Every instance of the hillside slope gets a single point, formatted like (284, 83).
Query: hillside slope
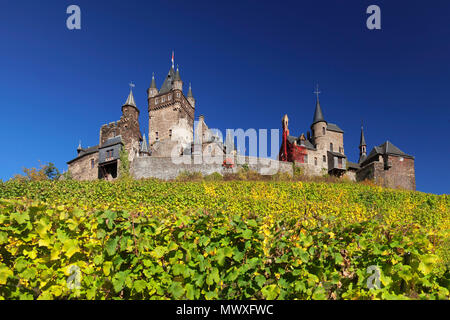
(227, 240)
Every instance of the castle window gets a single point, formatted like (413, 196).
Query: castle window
(178, 94)
(170, 133)
(331, 147)
(156, 101)
(323, 130)
(169, 97)
(92, 163)
(157, 136)
(324, 159)
(163, 99)
(315, 161)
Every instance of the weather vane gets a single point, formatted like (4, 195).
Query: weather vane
(131, 84)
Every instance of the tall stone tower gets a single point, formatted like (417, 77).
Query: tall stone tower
(171, 114)
(127, 127)
(319, 127)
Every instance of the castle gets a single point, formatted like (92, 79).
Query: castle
(171, 134)
(322, 152)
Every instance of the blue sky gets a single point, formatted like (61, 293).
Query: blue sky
(250, 62)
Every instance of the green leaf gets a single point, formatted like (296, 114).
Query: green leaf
(107, 268)
(159, 252)
(213, 277)
(176, 290)
(111, 245)
(139, 285)
(260, 280)
(270, 292)
(5, 273)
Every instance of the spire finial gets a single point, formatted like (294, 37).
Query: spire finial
(79, 145)
(132, 85)
(317, 92)
(153, 75)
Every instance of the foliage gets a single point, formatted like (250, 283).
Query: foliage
(220, 240)
(124, 168)
(45, 172)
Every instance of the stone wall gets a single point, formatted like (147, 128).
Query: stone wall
(81, 168)
(165, 168)
(401, 174)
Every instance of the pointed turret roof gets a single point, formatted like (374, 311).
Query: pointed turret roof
(144, 147)
(153, 83)
(362, 140)
(318, 115)
(168, 82)
(190, 95)
(130, 100)
(177, 75)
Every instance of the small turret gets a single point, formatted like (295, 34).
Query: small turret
(190, 96)
(152, 91)
(177, 82)
(362, 147)
(144, 152)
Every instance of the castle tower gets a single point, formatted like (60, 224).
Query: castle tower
(319, 126)
(152, 91)
(362, 147)
(190, 96)
(171, 114)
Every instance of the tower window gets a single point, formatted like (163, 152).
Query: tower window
(92, 163)
(315, 161)
(157, 136)
(170, 133)
(323, 130)
(331, 147)
(324, 159)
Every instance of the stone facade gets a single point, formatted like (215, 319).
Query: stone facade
(166, 169)
(85, 167)
(390, 171)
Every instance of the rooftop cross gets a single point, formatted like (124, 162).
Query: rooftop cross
(131, 84)
(317, 92)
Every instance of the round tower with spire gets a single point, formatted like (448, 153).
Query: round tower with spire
(319, 125)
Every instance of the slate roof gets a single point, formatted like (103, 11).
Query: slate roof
(334, 127)
(304, 143)
(130, 100)
(387, 148)
(84, 152)
(337, 154)
(318, 114)
(111, 142)
(168, 82)
(153, 83)
(352, 165)
(362, 140)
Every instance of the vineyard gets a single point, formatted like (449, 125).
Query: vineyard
(221, 240)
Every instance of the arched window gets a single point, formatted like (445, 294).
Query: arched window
(315, 161)
(324, 159)
(331, 146)
(323, 130)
